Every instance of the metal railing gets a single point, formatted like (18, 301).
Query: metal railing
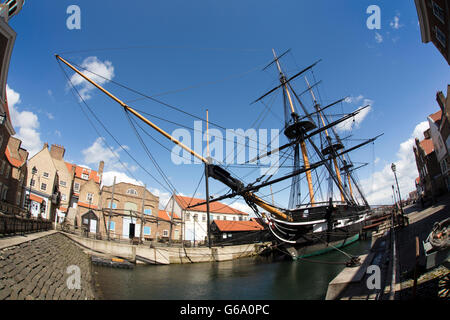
(13, 225)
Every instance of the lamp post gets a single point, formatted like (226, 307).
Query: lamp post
(33, 172)
(394, 169)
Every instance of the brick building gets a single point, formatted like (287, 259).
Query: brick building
(84, 199)
(127, 211)
(430, 176)
(17, 158)
(42, 184)
(444, 133)
(7, 40)
(434, 21)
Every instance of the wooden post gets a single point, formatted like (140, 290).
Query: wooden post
(141, 236)
(110, 207)
(416, 267)
(171, 219)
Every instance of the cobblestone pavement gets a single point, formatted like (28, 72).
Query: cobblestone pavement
(38, 270)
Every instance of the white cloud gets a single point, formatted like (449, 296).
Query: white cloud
(50, 116)
(108, 178)
(378, 187)
(355, 122)
(164, 197)
(378, 37)
(100, 72)
(242, 206)
(26, 124)
(354, 99)
(99, 151)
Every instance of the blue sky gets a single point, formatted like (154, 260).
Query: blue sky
(171, 45)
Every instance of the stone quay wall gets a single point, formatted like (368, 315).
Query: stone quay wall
(51, 267)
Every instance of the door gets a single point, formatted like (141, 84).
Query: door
(126, 227)
(93, 226)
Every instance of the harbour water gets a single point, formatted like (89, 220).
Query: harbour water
(255, 278)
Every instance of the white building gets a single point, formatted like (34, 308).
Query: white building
(195, 219)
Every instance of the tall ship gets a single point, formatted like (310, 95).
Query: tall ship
(326, 208)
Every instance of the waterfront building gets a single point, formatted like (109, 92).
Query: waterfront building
(236, 232)
(163, 223)
(444, 135)
(8, 9)
(13, 193)
(84, 196)
(195, 218)
(431, 179)
(434, 22)
(127, 211)
(42, 181)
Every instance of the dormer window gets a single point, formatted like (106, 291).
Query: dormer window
(85, 176)
(132, 191)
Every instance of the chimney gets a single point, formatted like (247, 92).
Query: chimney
(45, 146)
(101, 165)
(427, 134)
(57, 151)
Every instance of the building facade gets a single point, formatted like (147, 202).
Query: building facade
(430, 176)
(84, 198)
(124, 208)
(434, 22)
(194, 219)
(14, 192)
(42, 185)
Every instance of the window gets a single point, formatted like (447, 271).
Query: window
(114, 205)
(147, 231)
(90, 197)
(62, 183)
(43, 186)
(188, 216)
(8, 171)
(84, 176)
(240, 218)
(204, 217)
(165, 233)
(130, 206)
(18, 197)
(440, 36)
(76, 187)
(132, 191)
(224, 218)
(234, 218)
(112, 225)
(63, 197)
(438, 12)
(33, 182)
(45, 174)
(148, 212)
(4, 193)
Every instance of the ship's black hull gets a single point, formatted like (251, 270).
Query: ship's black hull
(320, 231)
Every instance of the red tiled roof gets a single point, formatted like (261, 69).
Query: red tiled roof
(86, 205)
(436, 116)
(93, 175)
(36, 198)
(418, 180)
(427, 146)
(229, 226)
(162, 214)
(214, 207)
(15, 162)
(62, 209)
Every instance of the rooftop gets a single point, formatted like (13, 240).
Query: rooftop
(230, 226)
(214, 207)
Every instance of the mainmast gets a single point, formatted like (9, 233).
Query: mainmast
(293, 135)
(331, 148)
